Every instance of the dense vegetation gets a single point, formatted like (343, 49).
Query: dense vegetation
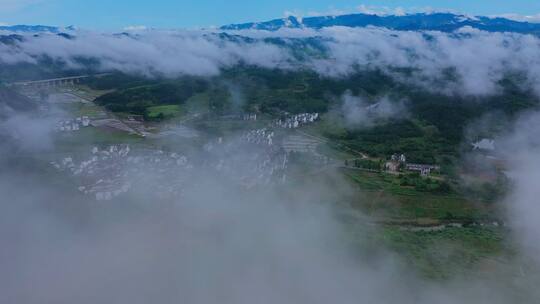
(139, 98)
(431, 132)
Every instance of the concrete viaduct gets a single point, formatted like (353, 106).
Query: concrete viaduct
(54, 82)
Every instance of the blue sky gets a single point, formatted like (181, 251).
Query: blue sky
(116, 14)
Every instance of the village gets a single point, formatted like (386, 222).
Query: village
(117, 169)
(110, 172)
(113, 170)
(395, 164)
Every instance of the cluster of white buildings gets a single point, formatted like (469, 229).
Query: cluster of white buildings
(249, 117)
(399, 161)
(251, 160)
(249, 167)
(424, 169)
(297, 120)
(260, 136)
(398, 158)
(254, 159)
(110, 172)
(73, 124)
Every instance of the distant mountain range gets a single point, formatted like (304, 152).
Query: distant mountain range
(445, 22)
(30, 28)
(21, 28)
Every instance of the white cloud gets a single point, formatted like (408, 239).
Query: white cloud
(161, 53)
(328, 12)
(364, 9)
(212, 244)
(381, 10)
(135, 28)
(527, 18)
(521, 148)
(431, 58)
(360, 112)
(478, 59)
(189, 251)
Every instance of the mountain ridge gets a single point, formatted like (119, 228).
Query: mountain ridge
(444, 22)
(23, 28)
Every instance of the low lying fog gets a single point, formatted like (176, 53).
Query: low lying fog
(216, 244)
(332, 52)
(219, 244)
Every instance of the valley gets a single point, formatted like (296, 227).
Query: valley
(337, 157)
(109, 157)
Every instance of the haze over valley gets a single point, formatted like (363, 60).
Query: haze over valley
(341, 158)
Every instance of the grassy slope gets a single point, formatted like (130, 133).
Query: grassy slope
(450, 252)
(384, 197)
(168, 111)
